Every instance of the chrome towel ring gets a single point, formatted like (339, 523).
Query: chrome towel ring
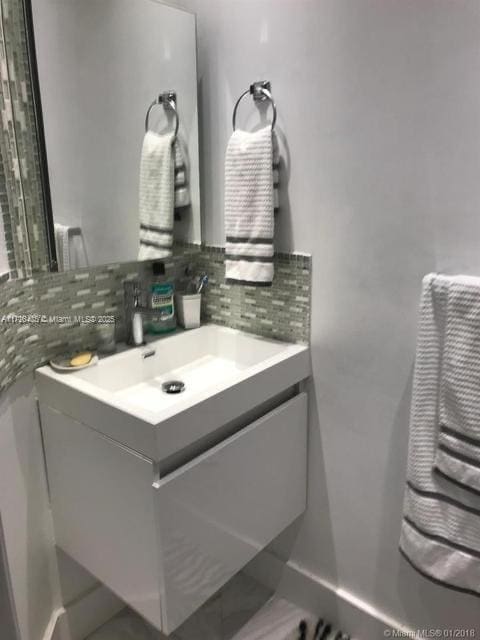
(260, 91)
(169, 100)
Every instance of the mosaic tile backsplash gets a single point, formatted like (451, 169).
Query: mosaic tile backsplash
(281, 312)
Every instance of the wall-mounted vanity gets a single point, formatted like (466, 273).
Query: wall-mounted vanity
(165, 497)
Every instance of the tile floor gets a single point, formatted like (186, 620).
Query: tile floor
(243, 610)
(276, 620)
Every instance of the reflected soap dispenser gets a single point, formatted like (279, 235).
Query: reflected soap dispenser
(137, 320)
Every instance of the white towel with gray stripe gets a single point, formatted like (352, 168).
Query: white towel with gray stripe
(441, 528)
(157, 175)
(182, 192)
(249, 207)
(62, 243)
(458, 452)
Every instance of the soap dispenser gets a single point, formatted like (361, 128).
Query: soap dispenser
(137, 320)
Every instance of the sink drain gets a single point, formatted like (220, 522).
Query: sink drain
(173, 386)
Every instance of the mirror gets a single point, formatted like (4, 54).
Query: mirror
(101, 64)
(24, 240)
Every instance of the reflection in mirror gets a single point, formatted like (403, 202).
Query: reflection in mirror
(101, 65)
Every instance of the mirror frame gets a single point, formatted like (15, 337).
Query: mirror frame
(40, 137)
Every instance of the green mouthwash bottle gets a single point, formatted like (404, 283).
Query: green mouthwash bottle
(162, 308)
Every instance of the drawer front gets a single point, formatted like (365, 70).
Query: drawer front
(218, 511)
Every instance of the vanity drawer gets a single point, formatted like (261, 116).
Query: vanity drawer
(217, 512)
(165, 545)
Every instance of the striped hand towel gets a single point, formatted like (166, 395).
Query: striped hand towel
(458, 452)
(249, 207)
(62, 243)
(182, 193)
(156, 196)
(276, 173)
(441, 527)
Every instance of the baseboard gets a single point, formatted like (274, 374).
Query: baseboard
(307, 590)
(84, 615)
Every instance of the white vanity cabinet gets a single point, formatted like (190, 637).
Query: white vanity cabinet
(165, 497)
(164, 543)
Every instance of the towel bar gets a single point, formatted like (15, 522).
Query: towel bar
(260, 91)
(169, 101)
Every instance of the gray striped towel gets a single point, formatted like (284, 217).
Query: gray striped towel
(440, 534)
(251, 168)
(458, 452)
(156, 196)
(62, 243)
(182, 193)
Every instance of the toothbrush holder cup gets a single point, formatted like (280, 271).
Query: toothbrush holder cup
(188, 309)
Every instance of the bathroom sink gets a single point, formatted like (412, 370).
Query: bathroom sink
(223, 373)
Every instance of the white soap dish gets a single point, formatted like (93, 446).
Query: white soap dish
(63, 365)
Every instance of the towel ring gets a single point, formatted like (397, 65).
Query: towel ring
(260, 91)
(169, 101)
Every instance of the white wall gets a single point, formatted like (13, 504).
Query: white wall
(8, 618)
(379, 103)
(101, 64)
(24, 512)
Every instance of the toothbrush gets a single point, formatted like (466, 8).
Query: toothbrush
(202, 283)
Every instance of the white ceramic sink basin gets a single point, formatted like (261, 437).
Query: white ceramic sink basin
(225, 372)
(206, 360)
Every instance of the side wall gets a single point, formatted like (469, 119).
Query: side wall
(26, 520)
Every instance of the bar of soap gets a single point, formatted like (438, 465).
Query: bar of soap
(81, 359)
